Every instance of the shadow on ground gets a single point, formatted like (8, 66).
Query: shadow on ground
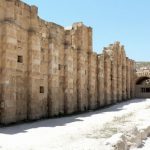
(54, 122)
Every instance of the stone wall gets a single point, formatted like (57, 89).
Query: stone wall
(47, 70)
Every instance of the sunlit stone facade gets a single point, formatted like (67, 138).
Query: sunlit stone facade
(48, 70)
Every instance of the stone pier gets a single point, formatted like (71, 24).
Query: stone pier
(100, 81)
(107, 74)
(128, 79)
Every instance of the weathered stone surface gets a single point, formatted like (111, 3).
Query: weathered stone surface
(92, 86)
(140, 85)
(100, 81)
(128, 138)
(128, 74)
(107, 70)
(124, 79)
(119, 71)
(114, 73)
(47, 70)
(117, 142)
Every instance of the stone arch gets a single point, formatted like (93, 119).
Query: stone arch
(141, 86)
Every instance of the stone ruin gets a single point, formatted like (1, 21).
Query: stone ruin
(47, 70)
(142, 80)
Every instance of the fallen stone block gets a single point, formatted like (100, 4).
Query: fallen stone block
(117, 142)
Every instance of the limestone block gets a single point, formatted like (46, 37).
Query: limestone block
(128, 79)
(114, 81)
(92, 86)
(80, 31)
(21, 97)
(101, 79)
(144, 131)
(107, 74)
(124, 80)
(10, 10)
(53, 81)
(119, 72)
(53, 101)
(34, 23)
(61, 69)
(8, 77)
(2, 9)
(133, 136)
(37, 97)
(132, 75)
(82, 80)
(113, 57)
(90, 39)
(70, 102)
(57, 39)
(75, 79)
(117, 142)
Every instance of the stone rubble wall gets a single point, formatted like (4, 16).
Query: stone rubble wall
(47, 70)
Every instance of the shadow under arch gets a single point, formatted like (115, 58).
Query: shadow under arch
(140, 80)
(142, 89)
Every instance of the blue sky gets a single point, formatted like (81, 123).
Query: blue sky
(127, 21)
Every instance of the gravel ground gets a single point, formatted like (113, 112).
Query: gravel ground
(87, 131)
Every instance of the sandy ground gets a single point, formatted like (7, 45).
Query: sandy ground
(87, 131)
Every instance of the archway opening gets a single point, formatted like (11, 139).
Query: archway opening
(143, 87)
(141, 80)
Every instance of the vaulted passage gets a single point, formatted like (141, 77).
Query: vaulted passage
(143, 87)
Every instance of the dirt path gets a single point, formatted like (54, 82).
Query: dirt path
(87, 131)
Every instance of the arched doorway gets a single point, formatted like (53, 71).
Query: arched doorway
(143, 87)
